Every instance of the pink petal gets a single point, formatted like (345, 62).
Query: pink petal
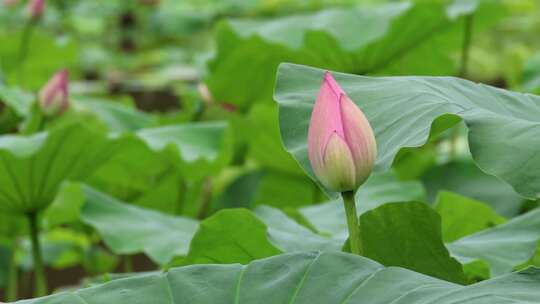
(360, 139)
(341, 145)
(338, 172)
(54, 96)
(35, 8)
(325, 120)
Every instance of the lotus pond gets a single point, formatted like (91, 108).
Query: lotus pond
(270, 152)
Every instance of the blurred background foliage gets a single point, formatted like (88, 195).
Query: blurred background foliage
(187, 88)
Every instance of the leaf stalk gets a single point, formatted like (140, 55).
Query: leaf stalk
(40, 281)
(13, 275)
(352, 222)
(23, 49)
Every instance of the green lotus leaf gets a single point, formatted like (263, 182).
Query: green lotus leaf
(502, 125)
(392, 38)
(503, 247)
(312, 277)
(128, 229)
(199, 149)
(33, 167)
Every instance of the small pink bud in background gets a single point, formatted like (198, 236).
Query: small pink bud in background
(341, 145)
(53, 97)
(35, 8)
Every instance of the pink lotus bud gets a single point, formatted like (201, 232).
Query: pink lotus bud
(341, 144)
(35, 8)
(53, 97)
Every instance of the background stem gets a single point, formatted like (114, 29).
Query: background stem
(23, 49)
(40, 282)
(206, 198)
(463, 70)
(465, 48)
(182, 194)
(13, 276)
(352, 222)
(128, 264)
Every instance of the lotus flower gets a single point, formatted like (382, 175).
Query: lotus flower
(35, 8)
(341, 144)
(53, 97)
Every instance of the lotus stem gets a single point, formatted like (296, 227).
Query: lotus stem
(13, 276)
(181, 200)
(352, 222)
(23, 48)
(40, 281)
(128, 264)
(206, 198)
(465, 49)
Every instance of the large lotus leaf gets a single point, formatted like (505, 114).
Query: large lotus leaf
(237, 235)
(230, 236)
(412, 163)
(199, 148)
(61, 248)
(462, 216)
(167, 193)
(265, 187)
(17, 99)
(118, 117)
(196, 140)
(160, 157)
(134, 170)
(302, 278)
(12, 225)
(33, 167)
(404, 234)
(46, 54)
(301, 191)
(329, 218)
(490, 245)
(408, 235)
(264, 140)
(502, 247)
(502, 125)
(396, 38)
(531, 74)
(290, 236)
(66, 207)
(240, 192)
(128, 229)
(464, 178)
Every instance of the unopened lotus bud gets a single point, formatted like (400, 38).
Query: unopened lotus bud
(341, 145)
(53, 97)
(35, 8)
